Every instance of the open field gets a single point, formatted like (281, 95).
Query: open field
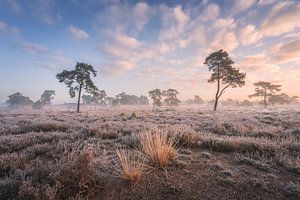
(243, 153)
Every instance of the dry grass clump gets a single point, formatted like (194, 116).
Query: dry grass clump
(130, 166)
(160, 148)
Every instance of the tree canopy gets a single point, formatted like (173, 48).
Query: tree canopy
(17, 100)
(78, 79)
(171, 97)
(156, 96)
(45, 99)
(224, 73)
(126, 99)
(265, 90)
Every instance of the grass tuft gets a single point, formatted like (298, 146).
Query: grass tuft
(160, 148)
(130, 167)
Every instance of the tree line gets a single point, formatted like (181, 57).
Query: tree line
(223, 74)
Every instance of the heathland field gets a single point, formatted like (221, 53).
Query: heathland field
(148, 153)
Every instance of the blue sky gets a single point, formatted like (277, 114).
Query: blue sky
(137, 46)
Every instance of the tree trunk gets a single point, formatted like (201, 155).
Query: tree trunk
(265, 99)
(216, 104)
(217, 93)
(79, 95)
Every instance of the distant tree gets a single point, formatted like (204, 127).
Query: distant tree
(230, 102)
(265, 90)
(110, 100)
(78, 79)
(102, 97)
(118, 99)
(45, 99)
(87, 99)
(198, 100)
(125, 99)
(282, 98)
(246, 103)
(220, 64)
(17, 100)
(156, 96)
(143, 100)
(171, 97)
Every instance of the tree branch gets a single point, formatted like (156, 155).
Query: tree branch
(222, 91)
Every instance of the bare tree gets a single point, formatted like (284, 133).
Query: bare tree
(265, 90)
(220, 64)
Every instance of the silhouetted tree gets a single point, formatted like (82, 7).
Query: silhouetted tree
(78, 79)
(265, 90)
(45, 99)
(17, 100)
(156, 96)
(143, 100)
(171, 97)
(223, 73)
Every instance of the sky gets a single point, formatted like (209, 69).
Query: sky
(137, 46)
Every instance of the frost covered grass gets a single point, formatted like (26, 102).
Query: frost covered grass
(60, 154)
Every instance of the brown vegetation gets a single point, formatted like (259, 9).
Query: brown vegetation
(228, 155)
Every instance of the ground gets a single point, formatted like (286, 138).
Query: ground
(235, 153)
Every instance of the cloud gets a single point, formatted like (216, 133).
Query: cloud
(179, 28)
(283, 18)
(256, 62)
(31, 47)
(220, 23)
(117, 68)
(54, 60)
(211, 12)
(266, 2)
(126, 41)
(15, 6)
(224, 39)
(124, 53)
(122, 17)
(120, 45)
(11, 31)
(3, 27)
(44, 11)
(249, 35)
(16, 41)
(141, 12)
(242, 5)
(285, 53)
(78, 34)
